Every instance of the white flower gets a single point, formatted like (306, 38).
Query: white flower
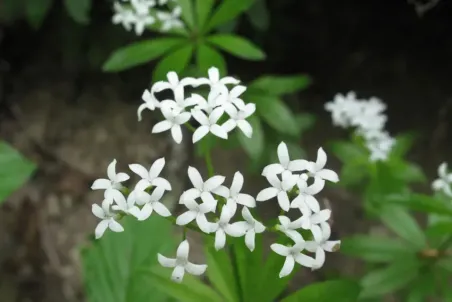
(310, 219)
(150, 102)
(379, 144)
(174, 84)
(443, 183)
(233, 195)
(238, 118)
(343, 108)
(202, 189)
(250, 227)
(316, 169)
(321, 244)
(150, 203)
(114, 181)
(198, 212)
(279, 189)
(223, 227)
(170, 20)
(142, 6)
(181, 263)
(214, 79)
(174, 118)
(289, 227)
(214, 99)
(285, 164)
(141, 21)
(151, 177)
(107, 217)
(208, 124)
(293, 254)
(306, 193)
(124, 16)
(233, 96)
(128, 206)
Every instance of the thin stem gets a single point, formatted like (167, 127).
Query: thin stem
(235, 271)
(190, 127)
(209, 165)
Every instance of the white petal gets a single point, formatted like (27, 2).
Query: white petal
(283, 201)
(161, 209)
(220, 239)
(189, 81)
(101, 184)
(326, 230)
(195, 269)
(258, 227)
(115, 226)
(280, 249)
(142, 185)
(162, 126)
(246, 128)
(272, 169)
(249, 109)
(246, 200)
(231, 110)
(317, 233)
(111, 170)
(217, 130)
(328, 175)
(200, 133)
(214, 74)
(229, 80)
(195, 178)
(186, 218)
(203, 224)
(215, 115)
(120, 177)
(222, 191)
(182, 250)
(304, 260)
(321, 159)
(298, 165)
(250, 239)
(146, 212)
(173, 79)
(274, 180)
(267, 194)
(156, 168)
(332, 246)
(200, 117)
(192, 194)
(139, 170)
(237, 91)
(162, 183)
(141, 108)
(311, 246)
(119, 199)
(287, 267)
(246, 214)
(166, 262)
(100, 228)
(213, 183)
(160, 85)
(182, 118)
(178, 274)
(312, 203)
(237, 229)
(321, 216)
(176, 133)
(283, 155)
(319, 258)
(316, 187)
(97, 211)
(226, 214)
(285, 221)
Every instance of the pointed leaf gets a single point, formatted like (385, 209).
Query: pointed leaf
(259, 15)
(227, 11)
(207, 57)
(188, 14)
(203, 10)
(176, 61)
(334, 290)
(280, 85)
(237, 46)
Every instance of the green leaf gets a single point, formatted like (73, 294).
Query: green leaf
(36, 11)
(259, 16)
(275, 113)
(440, 228)
(422, 287)
(253, 146)
(334, 290)
(422, 203)
(227, 11)
(389, 279)
(407, 172)
(305, 121)
(176, 61)
(140, 52)
(280, 85)
(354, 173)
(375, 249)
(207, 57)
(14, 170)
(220, 272)
(403, 224)
(79, 10)
(237, 46)
(116, 268)
(187, 12)
(190, 290)
(203, 10)
(348, 152)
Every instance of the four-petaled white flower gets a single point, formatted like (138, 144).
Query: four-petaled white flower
(127, 206)
(108, 219)
(222, 228)
(198, 212)
(123, 16)
(170, 20)
(316, 169)
(293, 254)
(214, 99)
(202, 188)
(250, 227)
(208, 124)
(238, 118)
(321, 244)
(444, 182)
(173, 119)
(150, 102)
(114, 181)
(233, 195)
(279, 189)
(150, 202)
(310, 219)
(305, 196)
(176, 85)
(233, 95)
(151, 177)
(181, 263)
(285, 164)
(214, 79)
(289, 227)
(141, 21)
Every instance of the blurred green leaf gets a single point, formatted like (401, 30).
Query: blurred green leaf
(227, 11)
(389, 279)
(253, 146)
(354, 173)
(403, 144)
(280, 85)
(14, 170)
(258, 15)
(79, 10)
(348, 152)
(403, 224)
(420, 202)
(140, 52)
(203, 10)
(305, 121)
(327, 291)
(407, 172)
(190, 290)
(207, 57)
(36, 11)
(440, 228)
(176, 61)
(116, 266)
(422, 287)
(275, 113)
(375, 249)
(187, 12)
(237, 46)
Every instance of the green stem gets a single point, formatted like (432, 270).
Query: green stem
(190, 127)
(209, 165)
(236, 273)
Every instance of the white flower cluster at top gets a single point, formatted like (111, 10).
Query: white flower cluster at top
(211, 206)
(369, 119)
(142, 13)
(444, 182)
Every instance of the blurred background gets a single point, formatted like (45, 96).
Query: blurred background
(59, 109)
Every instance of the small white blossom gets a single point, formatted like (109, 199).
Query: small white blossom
(233, 95)
(223, 228)
(208, 124)
(342, 107)
(289, 227)
(196, 212)
(150, 102)
(141, 21)
(214, 99)
(238, 118)
(305, 196)
(181, 263)
(170, 20)
(310, 219)
(444, 182)
(321, 243)
(108, 219)
(202, 188)
(285, 164)
(214, 79)
(114, 181)
(233, 195)
(293, 254)
(150, 203)
(151, 177)
(127, 206)
(279, 189)
(173, 120)
(124, 16)
(176, 85)
(250, 227)
(316, 169)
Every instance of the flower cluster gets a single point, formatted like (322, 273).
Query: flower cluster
(208, 112)
(368, 118)
(444, 182)
(142, 13)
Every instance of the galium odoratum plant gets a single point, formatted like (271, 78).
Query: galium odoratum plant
(211, 205)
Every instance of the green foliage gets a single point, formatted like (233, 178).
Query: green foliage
(334, 290)
(79, 10)
(36, 11)
(176, 61)
(237, 46)
(280, 85)
(228, 10)
(14, 170)
(207, 56)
